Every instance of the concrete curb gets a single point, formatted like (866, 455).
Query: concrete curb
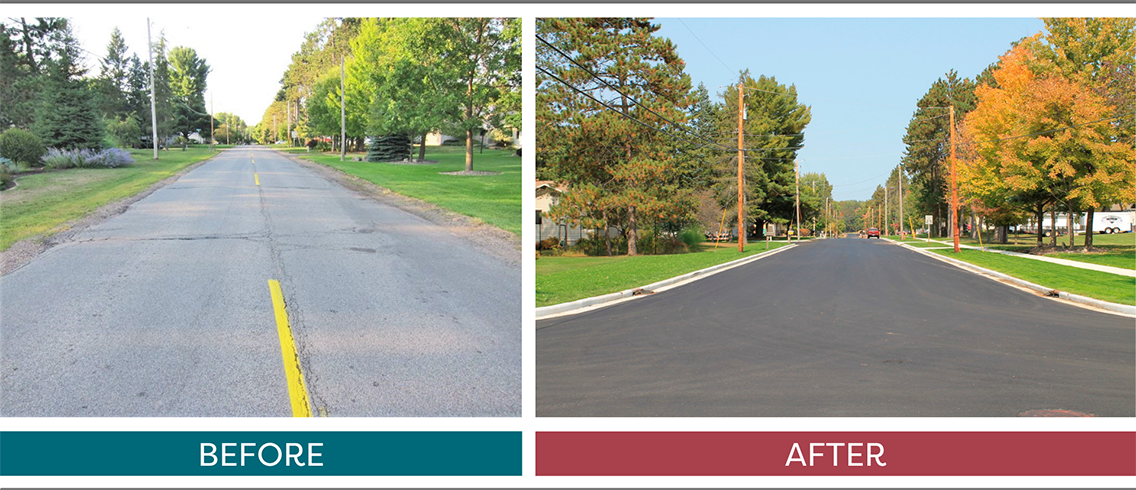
(1128, 310)
(581, 304)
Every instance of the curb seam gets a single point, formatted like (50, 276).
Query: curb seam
(1129, 310)
(580, 304)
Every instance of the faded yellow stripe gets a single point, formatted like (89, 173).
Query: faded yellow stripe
(257, 178)
(297, 391)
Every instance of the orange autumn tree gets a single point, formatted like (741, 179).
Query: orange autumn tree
(1036, 139)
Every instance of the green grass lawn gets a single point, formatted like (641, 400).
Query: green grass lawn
(563, 279)
(1121, 248)
(494, 199)
(42, 203)
(1099, 285)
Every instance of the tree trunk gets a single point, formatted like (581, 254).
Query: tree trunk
(1070, 218)
(1040, 218)
(1089, 229)
(633, 234)
(469, 150)
(1053, 225)
(974, 231)
(1000, 234)
(607, 237)
(422, 148)
(938, 222)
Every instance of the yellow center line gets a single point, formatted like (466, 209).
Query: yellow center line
(257, 178)
(297, 390)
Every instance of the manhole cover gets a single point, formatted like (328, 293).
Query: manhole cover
(1053, 412)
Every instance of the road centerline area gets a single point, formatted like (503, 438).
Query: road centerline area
(837, 328)
(160, 311)
(297, 391)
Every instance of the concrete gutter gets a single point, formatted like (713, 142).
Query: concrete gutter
(1127, 310)
(581, 305)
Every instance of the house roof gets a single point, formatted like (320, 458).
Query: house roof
(551, 184)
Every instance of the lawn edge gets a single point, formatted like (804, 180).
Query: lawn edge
(498, 242)
(24, 251)
(1084, 301)
(587, 304)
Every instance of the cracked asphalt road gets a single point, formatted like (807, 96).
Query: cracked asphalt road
(164, 310)
(843, 327)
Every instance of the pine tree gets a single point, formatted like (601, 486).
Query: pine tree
(774, 132)
(632, 170)
(389, 148)
(113, 78)
(928, 142)
(67, 116)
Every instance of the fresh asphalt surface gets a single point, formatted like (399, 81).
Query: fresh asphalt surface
(846, 327)
(165, 309)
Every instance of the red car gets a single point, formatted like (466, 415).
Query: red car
(874, 232)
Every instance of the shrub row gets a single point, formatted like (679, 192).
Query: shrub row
(108, 158)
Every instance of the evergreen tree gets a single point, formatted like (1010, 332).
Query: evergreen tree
(187, 79)
(774, 133)
(388, 148)
(66, 116)
(928, 150)
(113, 78)
(629, 174)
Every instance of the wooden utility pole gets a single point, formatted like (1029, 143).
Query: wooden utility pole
(343, 114)
(797, 180)
(887, 216)
(741, 163)
(901, 235)
(954, 186)
(153, 106)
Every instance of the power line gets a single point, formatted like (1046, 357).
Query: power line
(648, 126)
(705, 46)
(597, 78)
(608, 107)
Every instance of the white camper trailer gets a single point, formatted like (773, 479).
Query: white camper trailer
(1110, 222)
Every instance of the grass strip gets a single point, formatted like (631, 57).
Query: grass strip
(564, 279)
(43, 203)
(1099, 285)
(493, 199)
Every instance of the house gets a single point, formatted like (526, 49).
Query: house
(548, 194)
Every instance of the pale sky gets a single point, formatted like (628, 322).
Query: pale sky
(247, 57)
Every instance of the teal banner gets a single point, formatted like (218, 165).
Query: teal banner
(260, 453)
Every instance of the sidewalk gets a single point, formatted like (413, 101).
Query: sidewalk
(1070, 263)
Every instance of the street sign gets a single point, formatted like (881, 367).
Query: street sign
(928, 219)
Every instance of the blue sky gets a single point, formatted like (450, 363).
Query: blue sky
(862, 77)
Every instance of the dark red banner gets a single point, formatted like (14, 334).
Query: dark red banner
(836, 453)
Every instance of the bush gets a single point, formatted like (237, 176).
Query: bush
(7, 166)
(691, 237)
(323, 146)
(124, 132)
(21, 146)
(550, 243)
(109, 158)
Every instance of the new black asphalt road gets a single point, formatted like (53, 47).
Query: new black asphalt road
(165, 310)
(844, 327)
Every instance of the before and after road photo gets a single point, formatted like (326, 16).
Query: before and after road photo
(745, 218)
